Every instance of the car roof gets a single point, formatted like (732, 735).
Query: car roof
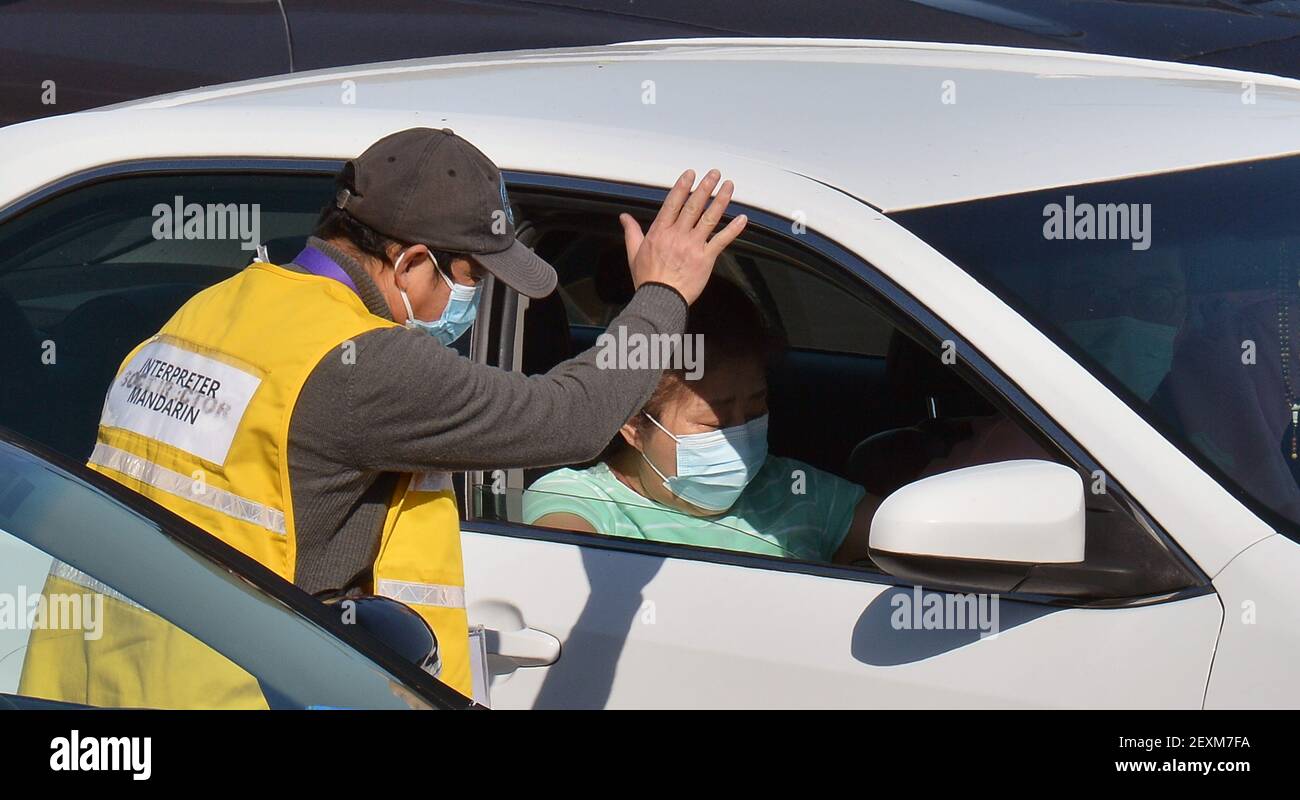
(895, 124)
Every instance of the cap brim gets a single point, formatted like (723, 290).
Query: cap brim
(521, 269)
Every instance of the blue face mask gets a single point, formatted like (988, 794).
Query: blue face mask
(457, 317)
(713, 468)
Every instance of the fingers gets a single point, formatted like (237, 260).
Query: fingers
(672, 205)
(632, 236)
(726, 236)
(713, 214)
(690, 213)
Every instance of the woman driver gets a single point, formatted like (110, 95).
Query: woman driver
(692, 467)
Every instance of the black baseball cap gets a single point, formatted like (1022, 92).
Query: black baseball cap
(431, 187)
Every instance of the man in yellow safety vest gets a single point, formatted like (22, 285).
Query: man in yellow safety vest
(309, 414)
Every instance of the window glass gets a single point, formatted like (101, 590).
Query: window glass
(70, 638)
(813, 313)
(89, 274)
(1179, 291)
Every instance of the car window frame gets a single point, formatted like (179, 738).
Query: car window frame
(907, 313)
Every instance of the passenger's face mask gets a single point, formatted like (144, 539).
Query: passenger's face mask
(457, 317)
(1137, 352)
(713, 468)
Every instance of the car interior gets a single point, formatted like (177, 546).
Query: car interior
(859, 391)
(876, 392)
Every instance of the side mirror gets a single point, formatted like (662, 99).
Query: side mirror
(981, 528)
(392, 623)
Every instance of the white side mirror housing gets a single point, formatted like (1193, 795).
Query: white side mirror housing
(981, 526)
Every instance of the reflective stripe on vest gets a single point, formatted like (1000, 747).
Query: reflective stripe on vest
(71, 574)
(188, 488)
(424, 594)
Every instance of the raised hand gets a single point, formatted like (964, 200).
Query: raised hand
(680, 248)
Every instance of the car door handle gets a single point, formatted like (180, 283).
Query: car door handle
(527, 647)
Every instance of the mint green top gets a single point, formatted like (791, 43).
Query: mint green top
(770, 518)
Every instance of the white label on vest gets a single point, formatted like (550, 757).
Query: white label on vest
(432, 482)
(182, 398)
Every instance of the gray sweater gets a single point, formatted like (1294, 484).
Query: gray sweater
(406, 403)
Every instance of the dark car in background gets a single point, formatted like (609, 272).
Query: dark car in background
(59, 56)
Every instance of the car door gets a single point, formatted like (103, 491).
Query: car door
(76, 550)
(598, 621)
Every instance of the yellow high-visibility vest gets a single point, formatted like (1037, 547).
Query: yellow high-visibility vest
(198, 420)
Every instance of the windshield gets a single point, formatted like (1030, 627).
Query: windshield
(1179, 291)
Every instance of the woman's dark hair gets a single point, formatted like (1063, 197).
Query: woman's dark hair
(732, 327)
(336, 223)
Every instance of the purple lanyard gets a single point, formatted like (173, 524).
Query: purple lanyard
(317, 263)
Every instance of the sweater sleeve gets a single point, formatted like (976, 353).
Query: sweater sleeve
(406, 403)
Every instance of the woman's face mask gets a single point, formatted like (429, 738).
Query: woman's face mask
(714, 467)
(458, 315)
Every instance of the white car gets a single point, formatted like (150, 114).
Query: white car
(1042, 300)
